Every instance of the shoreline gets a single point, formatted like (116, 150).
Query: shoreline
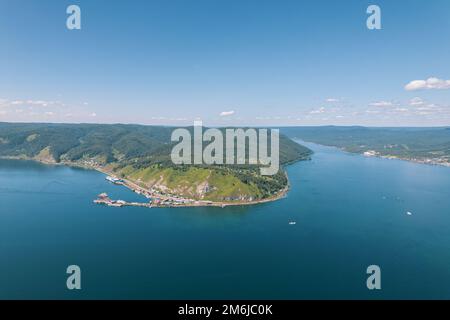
(192, 202)
(428, 162)
(131, 185)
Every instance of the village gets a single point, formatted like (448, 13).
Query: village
(158, 199)
(155, 198)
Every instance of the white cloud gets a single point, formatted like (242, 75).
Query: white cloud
(226, 113)
(317, 111)
(177, 119)
(424, 108)
(430, 83)
(416, 101)
(43, 110)
(382, 104)
(4, 103)
(332, 100)
(39, 103)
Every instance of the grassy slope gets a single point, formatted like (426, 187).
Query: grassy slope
(199, 183)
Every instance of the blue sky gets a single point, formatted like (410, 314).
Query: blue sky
(240, 62)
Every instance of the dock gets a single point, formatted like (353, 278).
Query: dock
(104, 199)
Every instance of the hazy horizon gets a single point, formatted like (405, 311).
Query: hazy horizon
(221, 126)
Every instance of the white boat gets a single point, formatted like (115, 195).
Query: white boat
(409, 213)
(292, 223)
(113, 180)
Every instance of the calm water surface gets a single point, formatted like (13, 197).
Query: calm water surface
(350, 213)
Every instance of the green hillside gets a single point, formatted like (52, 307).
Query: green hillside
(142, 154)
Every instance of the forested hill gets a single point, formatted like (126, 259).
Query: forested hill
(107, 143)
(142, 154)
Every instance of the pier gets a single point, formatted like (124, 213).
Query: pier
(104, 199)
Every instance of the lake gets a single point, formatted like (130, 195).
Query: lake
(351, 212)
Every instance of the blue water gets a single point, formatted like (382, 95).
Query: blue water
(350, 213)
